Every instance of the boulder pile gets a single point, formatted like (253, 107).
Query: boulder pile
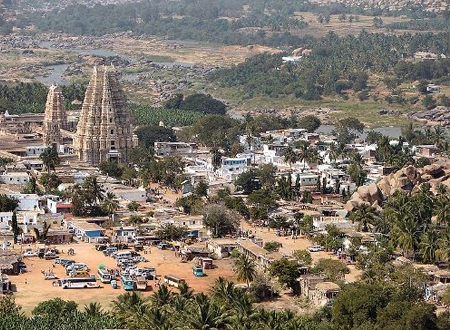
(407, 179)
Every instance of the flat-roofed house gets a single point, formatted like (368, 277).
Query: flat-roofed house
(259, 254)
(222, 247)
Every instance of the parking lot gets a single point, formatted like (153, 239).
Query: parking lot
(32, 288)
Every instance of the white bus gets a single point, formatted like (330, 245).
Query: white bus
(173, 280)
(79, 282)
(104, 275)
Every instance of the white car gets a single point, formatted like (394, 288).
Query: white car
(30, 254)
(315, 248)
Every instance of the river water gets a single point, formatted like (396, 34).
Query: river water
(56, 75)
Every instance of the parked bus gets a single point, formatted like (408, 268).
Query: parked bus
(104, 275)
(173, 280)
(79, 282)
(127, 283)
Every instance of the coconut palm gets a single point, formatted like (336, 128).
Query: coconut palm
(223, 290)
(245, 269)
(363, 214)
(125, 305)
(50, 159)
(442, 210)
(157, 319)
(406, 234)
(110, 203)
(429, 245)
(443, 252)
(161, 297)
(206, 314)
(290, 157)
(185, 291)
(93, 309)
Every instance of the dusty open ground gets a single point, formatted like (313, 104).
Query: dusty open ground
(32, 288)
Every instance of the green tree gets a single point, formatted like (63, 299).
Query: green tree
(110, 203)
(332, 269)
(245, 269)
(111, 168)
(201, 189)
(287, 272)
(219, 220)
(50, 159)
(171, 232)
(56, 307)
(133, 206)
(8, 204)
(149, 134)
(310, 123)
(15, 226)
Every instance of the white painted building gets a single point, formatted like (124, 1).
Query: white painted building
(305, 179)
(273, 151)
(174, 148)
(131, 194)
(5, 217)
(35, 150)
(15, 178)
(232, 167)
(27, 202)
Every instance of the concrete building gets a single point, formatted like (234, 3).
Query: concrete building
(15, 178)
(221, 248)
(27, 202)
(174, 148)
(35, 150)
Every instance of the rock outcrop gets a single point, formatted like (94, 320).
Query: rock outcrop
(407, 179)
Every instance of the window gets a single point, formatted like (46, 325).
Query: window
(193, 222)
(110, 120)
(112, 131)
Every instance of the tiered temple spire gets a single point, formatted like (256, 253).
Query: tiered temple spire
(104, 130)
(55, 117)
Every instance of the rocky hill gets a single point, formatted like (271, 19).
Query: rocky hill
(392, 5)
(407, 179)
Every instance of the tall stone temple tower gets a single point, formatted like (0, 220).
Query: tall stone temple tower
(55, 117)
(104, 130)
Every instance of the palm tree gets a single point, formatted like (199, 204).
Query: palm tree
(245, 269)
(363, 214)
(443, 251)
(93, 309)
(223, 290)
(429, 245)
(442, 210)
(157, 319)
(110, 204)
(125, 305)
(161, 297)
(50, 159)
(185, 291)
(406, 233)
(206, 314)
(290, 157)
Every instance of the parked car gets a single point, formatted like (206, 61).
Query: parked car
(30, 254)
(315, 248)
(163, 246)
(66, 263)
(61, 261)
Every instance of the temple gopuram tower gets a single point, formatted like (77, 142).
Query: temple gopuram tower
(55, 117)
(104, 130)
